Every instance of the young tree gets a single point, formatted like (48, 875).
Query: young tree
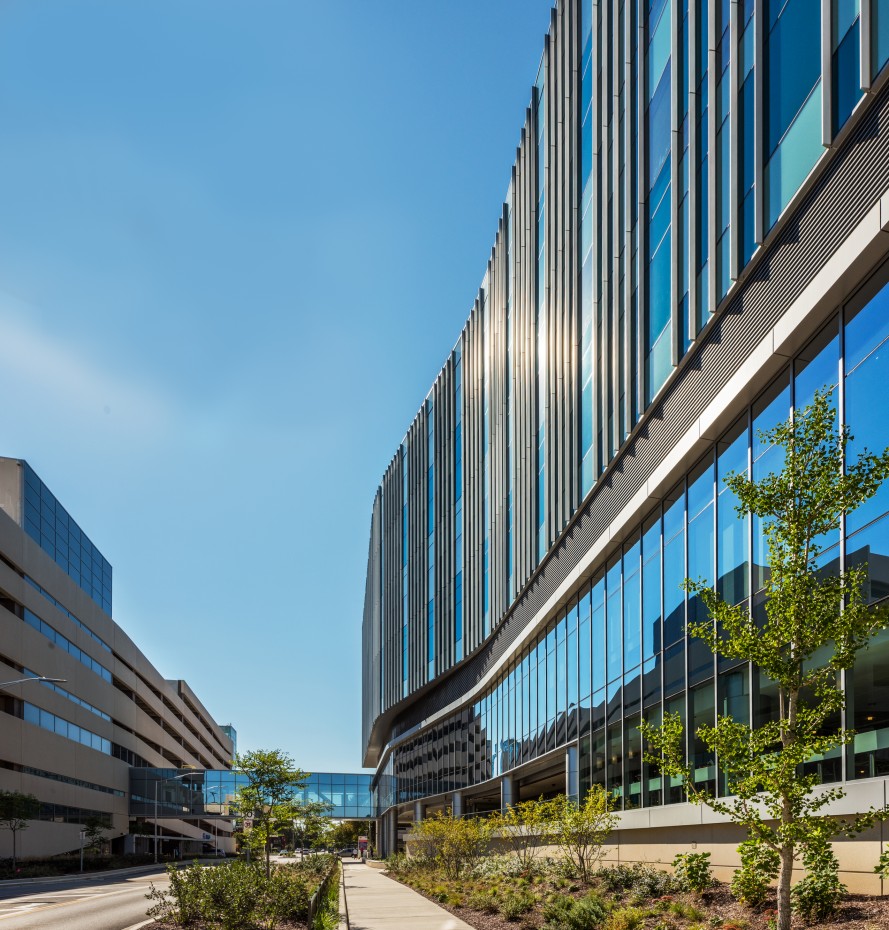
(815, 622)
(580, 830)
(94, 829)
(456, 843)
(16, 809)
(521, 826)
(268, 798)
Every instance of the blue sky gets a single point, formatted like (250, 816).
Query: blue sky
(237, 241)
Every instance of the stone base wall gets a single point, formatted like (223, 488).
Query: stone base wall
(657, 846)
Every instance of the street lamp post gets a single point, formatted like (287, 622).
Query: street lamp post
(162, 781)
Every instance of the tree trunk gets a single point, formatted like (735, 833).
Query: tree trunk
(784, 876)
(13, 852)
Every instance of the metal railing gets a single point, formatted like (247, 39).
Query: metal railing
(316, 904)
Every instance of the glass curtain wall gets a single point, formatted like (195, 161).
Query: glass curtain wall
(669, 152)
(619, 651)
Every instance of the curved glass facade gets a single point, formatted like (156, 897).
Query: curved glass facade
(684, 175)
(619, 651)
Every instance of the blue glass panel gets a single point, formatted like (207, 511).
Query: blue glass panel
(615, 622)
(674, 668)
(598, 630)
(572, 670)
(651, 681)
(651, 593)
(632, 621)
(733, 529)
(866, 339)
(583, 648)
(659, 49)
(674, 596)
(817, 366)
(793, 60)
(846, 68)
(659, 128)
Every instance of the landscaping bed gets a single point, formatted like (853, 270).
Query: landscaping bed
(498, 893)
(239, 896)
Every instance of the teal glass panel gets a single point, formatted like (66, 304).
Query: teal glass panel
(879, 35)
(658, 49)
(794, 157)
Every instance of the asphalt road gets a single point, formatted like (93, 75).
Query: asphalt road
(115, 903)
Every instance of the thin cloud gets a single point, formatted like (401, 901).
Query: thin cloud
(58, 385)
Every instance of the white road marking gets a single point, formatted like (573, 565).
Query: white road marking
(33, 906)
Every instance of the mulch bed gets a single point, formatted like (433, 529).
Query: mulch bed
(858, 912)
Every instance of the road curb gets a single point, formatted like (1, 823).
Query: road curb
(344, 906)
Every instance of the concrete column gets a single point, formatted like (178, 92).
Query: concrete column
(457, 804)
(391, 831)
(380, 835)
(507, 792)
(572, 773)
(419, 811)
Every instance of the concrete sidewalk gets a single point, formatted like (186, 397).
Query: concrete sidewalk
(377, 902)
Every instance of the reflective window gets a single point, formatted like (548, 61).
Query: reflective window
(792, 99)
(632, 606)
(879, 35)
(674, 566)
(48, 523)
(846, 59)
(733, 551)
(867, 369)
(620, 651)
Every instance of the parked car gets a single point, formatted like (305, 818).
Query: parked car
(347, 852)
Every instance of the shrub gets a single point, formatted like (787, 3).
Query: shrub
(237, 896)
(484, 901)
(627, 918)
(882, 866)
(759, 865)
(563, 913)
(521, 826)
(580, 830)
(693, 871)
(818, 895)
(643, 881)
(398, 863)
(515, 904)
(616, 878)
(455, 843)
